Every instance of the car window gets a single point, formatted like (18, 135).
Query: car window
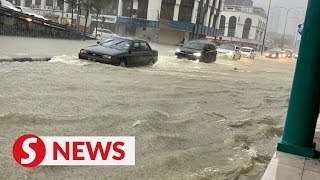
(194, 45)
(8, 4)
(144, 46)
(245, 50)
(122, 46)
(119, 44)
(27, 10)
(227, 47)
(208, 47)
(136, 46)
(109, 42)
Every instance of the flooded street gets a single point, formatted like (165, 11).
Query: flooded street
(191, 120)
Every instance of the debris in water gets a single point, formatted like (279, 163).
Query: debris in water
(136, 123)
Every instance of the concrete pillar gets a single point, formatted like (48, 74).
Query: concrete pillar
(120, 8)
(176, 10)
(23, 3)
(207, 17)
(65, 7)
(43, 4)
(304, 102)
(55, 4)
(195, 12)
(211, 22)
(226, 26)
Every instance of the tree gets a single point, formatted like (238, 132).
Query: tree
(92, 6)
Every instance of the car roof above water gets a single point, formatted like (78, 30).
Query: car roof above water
(202, 42)
(127, 38)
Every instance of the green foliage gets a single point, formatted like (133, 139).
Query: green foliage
(91, 5)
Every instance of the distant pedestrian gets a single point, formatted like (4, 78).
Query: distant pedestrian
(300, 29)
(182, 41)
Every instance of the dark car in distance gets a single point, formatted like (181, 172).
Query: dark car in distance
(273, 54)
(121, 51)
(204, 51)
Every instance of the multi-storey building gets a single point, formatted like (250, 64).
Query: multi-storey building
(165, 21)
(243, 24)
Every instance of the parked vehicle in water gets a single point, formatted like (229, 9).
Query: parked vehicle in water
(273, 54)
(121, 51)
(289, 53)
(296, 54)
(9, 5)
(283, 54)
(102, 33)
(30, 12)
(216, 44)
(248, 52)
(201, 50)
(230, 51)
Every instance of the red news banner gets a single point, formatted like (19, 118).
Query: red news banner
(30, 150)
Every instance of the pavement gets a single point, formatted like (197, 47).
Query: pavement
(38, 49)
(288, 166)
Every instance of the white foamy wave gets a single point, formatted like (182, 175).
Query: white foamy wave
(72, 60)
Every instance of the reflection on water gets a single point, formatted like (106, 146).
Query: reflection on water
(191, 120)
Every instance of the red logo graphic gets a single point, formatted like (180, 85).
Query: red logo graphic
(29, 150)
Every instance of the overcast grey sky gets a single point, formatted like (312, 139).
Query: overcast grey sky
(286, 3)
(294, 17)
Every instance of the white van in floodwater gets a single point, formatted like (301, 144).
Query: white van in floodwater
(102, 33)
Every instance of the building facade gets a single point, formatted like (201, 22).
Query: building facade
(168, 21)
(244, 25)
(239, 3)
(164, 21)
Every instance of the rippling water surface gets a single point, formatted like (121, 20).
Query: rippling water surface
(191, 120)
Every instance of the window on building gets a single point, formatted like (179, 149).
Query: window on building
(167, 9)
(16, 2)
(111, 8)
(222, 26)
(38, 2)
(127, 8)
(232, 26)
(211, 18)
(143, 9)
(28, 3)
(246, 28)
(49, 3)
(185, 10)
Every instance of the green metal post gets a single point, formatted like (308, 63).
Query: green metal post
(303, 108)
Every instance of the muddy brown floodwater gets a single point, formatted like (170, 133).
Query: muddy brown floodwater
(191, 120)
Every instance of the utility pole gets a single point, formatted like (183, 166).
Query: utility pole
(198, 17)
(284, 31)
(78, 15)
(285, 25)
(265, 30)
